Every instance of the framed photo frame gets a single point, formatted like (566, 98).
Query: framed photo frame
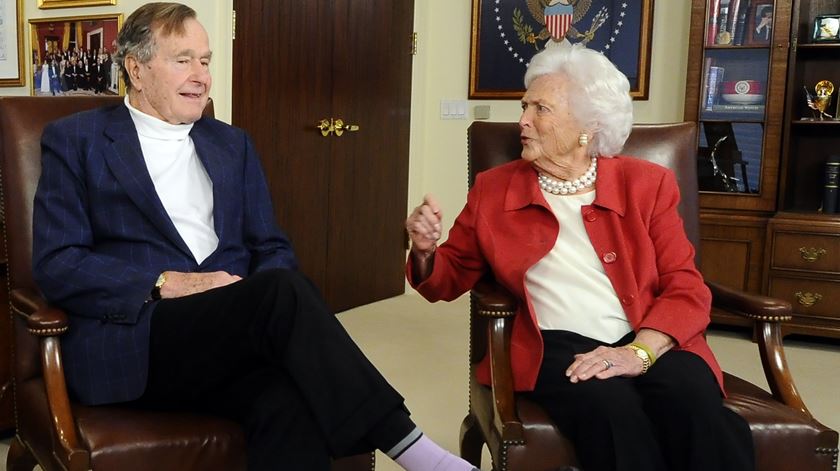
(826, 28)
(760, 23)
(507, 33)
(74, 56)
(47, 4)
(11, 44)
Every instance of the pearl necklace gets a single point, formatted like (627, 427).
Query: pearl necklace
(564, 187)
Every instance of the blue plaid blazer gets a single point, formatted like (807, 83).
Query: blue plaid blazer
(101, 237)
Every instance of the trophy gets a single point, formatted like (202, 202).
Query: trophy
(822, 99)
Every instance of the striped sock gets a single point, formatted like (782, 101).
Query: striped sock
(416, 452)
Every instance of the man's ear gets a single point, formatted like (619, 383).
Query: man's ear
(132, 66)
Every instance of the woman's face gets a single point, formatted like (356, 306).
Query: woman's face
(547, 128)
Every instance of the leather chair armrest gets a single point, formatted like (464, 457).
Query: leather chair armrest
(767, 314)
(750, 306)
(41, 319)
(494, 302)
(48, 323)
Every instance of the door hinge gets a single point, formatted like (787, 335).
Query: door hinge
(414, 43)
(233, 20)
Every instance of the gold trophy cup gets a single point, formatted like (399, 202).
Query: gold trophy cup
(822, 99)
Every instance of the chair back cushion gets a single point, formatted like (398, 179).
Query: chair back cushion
(670, 145)
(22, 120)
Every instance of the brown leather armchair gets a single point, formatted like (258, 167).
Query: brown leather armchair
(52, 430)
(519, 434)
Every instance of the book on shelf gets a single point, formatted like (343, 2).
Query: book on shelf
(713, 79)
(732, 25)
(707, 65)
(832, 182)
(712, 28)
(741, 22)
(737, 107)
(723, 37)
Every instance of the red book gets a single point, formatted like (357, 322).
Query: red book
(712, 25)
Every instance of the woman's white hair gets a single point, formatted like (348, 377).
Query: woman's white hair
(599, 94)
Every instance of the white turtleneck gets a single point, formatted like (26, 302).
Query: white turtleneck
(181, 182)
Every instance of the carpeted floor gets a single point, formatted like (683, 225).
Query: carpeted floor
(422, 349)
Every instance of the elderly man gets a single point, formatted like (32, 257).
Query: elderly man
(153, 229)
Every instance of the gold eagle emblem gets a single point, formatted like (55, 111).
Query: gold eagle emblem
(537, 10)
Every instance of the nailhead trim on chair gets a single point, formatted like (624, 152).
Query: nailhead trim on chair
(489, 313)
(48, 332)
(829, 451)
(767, 318)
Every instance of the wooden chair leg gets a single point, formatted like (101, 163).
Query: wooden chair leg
(472, 441)
(19, 457)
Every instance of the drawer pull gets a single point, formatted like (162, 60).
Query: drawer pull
(808, 299)
(811, 255)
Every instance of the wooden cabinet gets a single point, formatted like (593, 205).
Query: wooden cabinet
(803, 268)
(736, 92)
(762, 153)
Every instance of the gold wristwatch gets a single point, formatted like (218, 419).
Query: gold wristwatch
(643, 355)
(161, 280)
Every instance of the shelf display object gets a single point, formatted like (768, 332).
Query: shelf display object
(735, 91)
(763, 84)
(803, 249)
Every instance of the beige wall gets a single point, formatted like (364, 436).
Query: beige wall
(214, 14)
(438, 147)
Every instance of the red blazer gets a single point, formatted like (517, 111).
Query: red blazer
(507, 226)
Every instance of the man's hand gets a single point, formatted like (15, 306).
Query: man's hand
(179, 284)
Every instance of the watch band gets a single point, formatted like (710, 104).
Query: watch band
(642, 354)
(161, 280)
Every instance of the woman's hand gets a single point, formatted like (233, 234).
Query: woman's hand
(423, 226)
(606, 362)
(603, 363)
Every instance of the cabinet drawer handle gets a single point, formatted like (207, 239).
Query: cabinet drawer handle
(808, 299)
(811, 255)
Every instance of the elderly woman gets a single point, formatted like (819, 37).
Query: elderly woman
(609, 337)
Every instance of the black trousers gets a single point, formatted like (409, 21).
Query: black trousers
(267, 353)
(671, 418)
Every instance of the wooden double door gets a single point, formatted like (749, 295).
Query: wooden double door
(341, 199)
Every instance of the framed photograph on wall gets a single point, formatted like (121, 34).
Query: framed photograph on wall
(826, 28)
(74, 56)
(507, 33)
(46, 4)
(11, 44)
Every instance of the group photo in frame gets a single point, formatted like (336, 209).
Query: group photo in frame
(11, 44)
(507, 33)
(47, 4)
(74, 56)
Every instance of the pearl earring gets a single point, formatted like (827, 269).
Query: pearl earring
(583, 139)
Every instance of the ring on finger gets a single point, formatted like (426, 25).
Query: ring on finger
(607, 364)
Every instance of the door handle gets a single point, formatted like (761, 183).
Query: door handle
(340, 127)
(325, 126)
